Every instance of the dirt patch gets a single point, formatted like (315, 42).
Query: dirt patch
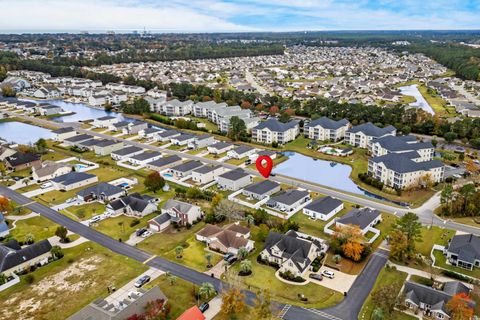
(74, 278)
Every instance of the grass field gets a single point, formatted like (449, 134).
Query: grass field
(40, 227)
(85, 211)
(441, 261)
(120, 227)
(63, 287)
(431, 236)
(386, 277)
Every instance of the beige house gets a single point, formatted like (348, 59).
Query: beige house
(50, 170)
(15, 259)
(229, 239)
(106, 147)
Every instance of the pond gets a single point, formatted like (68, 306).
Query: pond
(82, 112)
(22, 133)
(327, 173)
(421, 102)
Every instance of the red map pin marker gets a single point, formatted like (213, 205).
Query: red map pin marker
(264, 165)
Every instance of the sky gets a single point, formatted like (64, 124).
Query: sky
(236, 15)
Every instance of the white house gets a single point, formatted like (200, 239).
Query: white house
(364, 218)
(234, 180)
(289, 200)
(206, 173)
(143, 158)
(105, 122)
(181, 212)
(323, 208)
(219, 147)
(126, 152)
(240, 152)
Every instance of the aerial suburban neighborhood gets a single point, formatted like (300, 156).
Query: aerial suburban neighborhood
(251, 175)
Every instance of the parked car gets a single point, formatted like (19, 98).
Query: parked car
(141, 281)
(227, 256)
(46, 185)
(232, 259)
(139, 232)
(71, 200)
(315, 276)
(328, 274)
(146, 234)
(248, 162)
(132, 294)
(204, 307)
(95, 219)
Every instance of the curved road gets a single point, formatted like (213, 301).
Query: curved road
(348, 309)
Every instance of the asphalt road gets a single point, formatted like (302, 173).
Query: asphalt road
(350, 306)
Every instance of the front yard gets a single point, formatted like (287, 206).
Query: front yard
(40, 227)
(441, 261)
(121, 227)
(85, 211)
(63, 287)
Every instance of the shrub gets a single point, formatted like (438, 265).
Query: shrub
(287, 275)
(29, 278)
(134, 222)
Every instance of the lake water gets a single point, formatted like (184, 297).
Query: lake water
(421, 102)
(23, 133)
(330, 174)
(82, 112)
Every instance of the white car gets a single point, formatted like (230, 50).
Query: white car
(328, 274)
(46, 185)
(71, 200)
(146, 234)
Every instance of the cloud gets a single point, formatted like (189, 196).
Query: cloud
(238, 15)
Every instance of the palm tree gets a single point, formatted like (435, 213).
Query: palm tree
(29, 238)
(179, 251)
(56, 252)
(246, 266)
(378, 314)
(250, 219)
(209, 257)
(172, 279)
(206, 290)
(242, 253)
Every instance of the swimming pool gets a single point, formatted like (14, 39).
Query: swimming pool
(80, 167)
(169, 175)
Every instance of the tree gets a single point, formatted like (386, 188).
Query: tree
(450, 136)
(446, 196)
(209, 257)
(157, 310)
(246, 266)
(232, 302)
(460, 307)
(172, 279)
(179, 251)
(194, 193)
(245, 104)
(206, 290)
(242, 253)
(237, 130)
(349, 239)
(284, 117)
(216, 199)
(62, 232)
(378, 314)
(230, 210)
(5, 204)
(29, 238)
(250, 219)
(3, 279)
(353, 250)
(154, 181)
(273, 110)
(398, 245)
(467, 191)
(262, 306)
(8, 91)
(385, 297)
(41, 145)
(410, 226)
(56, 252)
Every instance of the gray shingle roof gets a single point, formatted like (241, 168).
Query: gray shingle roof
(146, 155)
(324, 205)
(127, 151)
(11, 254)
(466, 246)
(262, 187)
(187, 166)
(206, 168)
(290, 196)
(165, 161)
(234, 174)
(101, 188)
(327, 123)
(72, 177)
(359, 217)
(135, 201)
(274, 125)
(394, 143)
(370, 129)
(242, 149)
(402, 163)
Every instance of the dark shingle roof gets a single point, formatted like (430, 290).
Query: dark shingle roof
(187, 166)
(206, 169)
(20, 158)
(359, 217)
(12, 255)
(370, 129)
(242, 149)
(290, 196)
(165, 161)
(324, 205)
(466, 246)
(101, 188)
(274, 125)
(404, 143)
(135, 201)
(403, 163)
(127, 151)
(72, 177)
(234, 174)
(262, 187)
(146, 155)
(327, 123)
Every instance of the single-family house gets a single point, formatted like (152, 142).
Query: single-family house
(126, 152)
(261, 190)
(134, 204)
(106, 146)
(185, 169)
(103, 192)
(134, 127)
(143, 158)
(228, 240)
(206, 173)
(220, 147)
(50, 170)
(201, 141)
(183, 139)
(63, 133)
(167, 135)
(15, 258)
(364, 218)
(22, 160)
(463, 251)
(181, 212)
(162, 163)
(73, 180)
(240, 152)
(4, 230)
(105, 122)
(159, 223)
(323, 208)
(288, 200)
(234, 180)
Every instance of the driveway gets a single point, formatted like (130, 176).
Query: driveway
(342, 282)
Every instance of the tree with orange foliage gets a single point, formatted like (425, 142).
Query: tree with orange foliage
(273, 110)
(206, 99)
(289, 111)
(472, 167)
(5, 204)
(233, 301)
(460, 307)
(245, 104)
(259, 107)
(350, 241)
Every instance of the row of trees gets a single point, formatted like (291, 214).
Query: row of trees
(461, 202)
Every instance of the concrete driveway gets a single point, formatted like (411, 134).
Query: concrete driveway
(342, 282)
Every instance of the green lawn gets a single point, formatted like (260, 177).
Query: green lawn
(40, 227)
(386, 277)
(197, 151)
(119, 227)
(431, 236)
(210, 126)
(264, 277)
(441, 261)
(215, 156)
(85, 211)
(55, 196)
(166, 241)
(65, 286)
(30, 187)
(180, 295)
(236, 162)
(438, 104)
(193, 255)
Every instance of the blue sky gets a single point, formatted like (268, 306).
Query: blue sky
(238, 15)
